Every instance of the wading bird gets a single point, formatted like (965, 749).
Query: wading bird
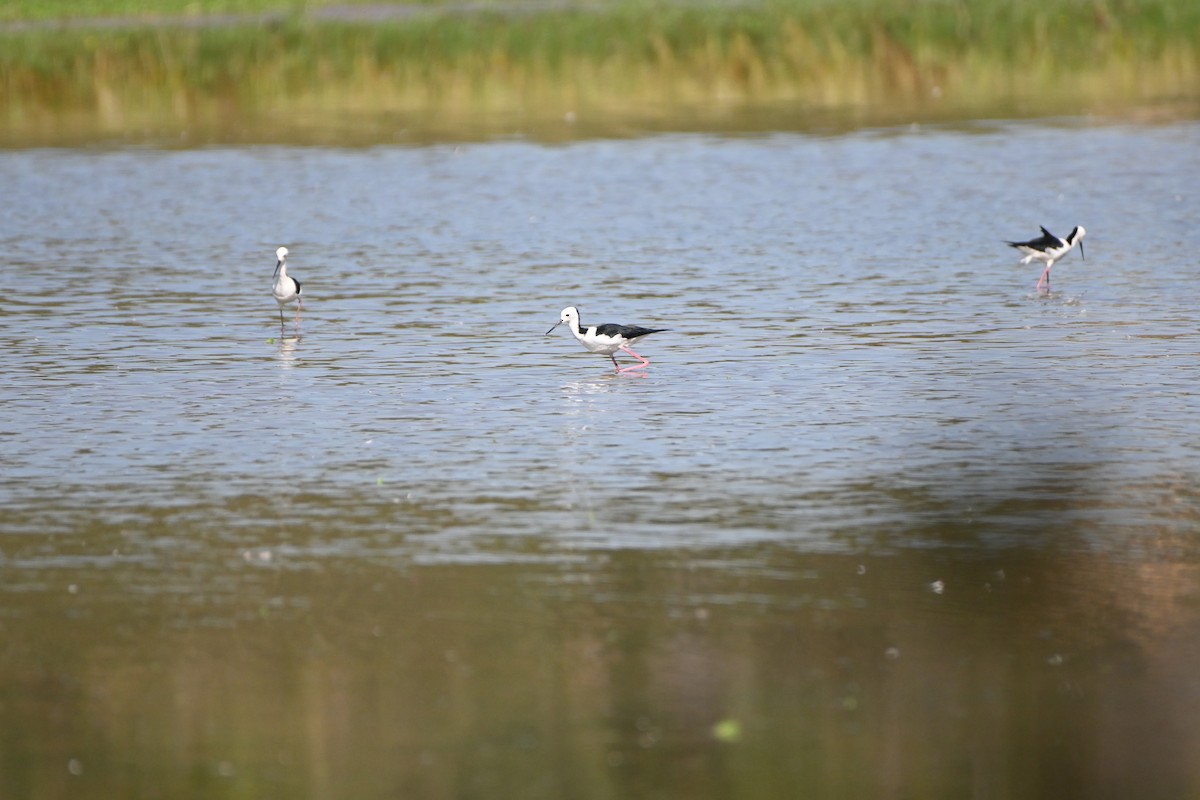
(606, 339)
(1049, 248)
(286, 289)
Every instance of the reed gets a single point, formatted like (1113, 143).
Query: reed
(954, 57)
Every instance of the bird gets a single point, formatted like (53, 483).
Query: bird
(286, 289)
(1050, 248)
(606, 339)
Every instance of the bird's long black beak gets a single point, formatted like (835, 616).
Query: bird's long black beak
(1081, 255)
(552, 327)
(278, 264)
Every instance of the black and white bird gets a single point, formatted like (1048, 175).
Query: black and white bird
(1049, 249)
(286, 289)
(606, 339)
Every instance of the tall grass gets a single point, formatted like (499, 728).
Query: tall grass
(961, 55)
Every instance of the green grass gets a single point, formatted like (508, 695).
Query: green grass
(28, 10)
(82, 9)
(916, 57)
(85, 9)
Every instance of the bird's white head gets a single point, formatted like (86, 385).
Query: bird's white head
(569, 315)
(281, 253)
(1076, 237)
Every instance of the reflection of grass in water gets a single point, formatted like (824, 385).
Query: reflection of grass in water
(869, 53)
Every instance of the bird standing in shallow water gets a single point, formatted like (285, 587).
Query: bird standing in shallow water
(1049, 248)
(606, 339)
(286, 289)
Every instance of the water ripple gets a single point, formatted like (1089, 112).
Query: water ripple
(854, 361)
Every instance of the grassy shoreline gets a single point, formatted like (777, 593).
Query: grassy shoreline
(462, 75)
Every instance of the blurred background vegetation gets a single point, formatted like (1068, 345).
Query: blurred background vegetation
(272, 69)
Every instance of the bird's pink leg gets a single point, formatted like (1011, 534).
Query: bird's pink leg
(643, 365)
(1045, 277)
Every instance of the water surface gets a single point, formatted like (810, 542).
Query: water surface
(878, 520)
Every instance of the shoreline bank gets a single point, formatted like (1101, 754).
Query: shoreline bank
(470, 70)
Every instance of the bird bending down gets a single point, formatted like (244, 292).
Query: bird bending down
(286, 289)
(606, 339)
(1050, 248)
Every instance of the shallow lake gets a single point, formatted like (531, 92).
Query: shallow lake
(878, 520)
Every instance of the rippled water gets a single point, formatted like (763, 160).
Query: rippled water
(859, 381)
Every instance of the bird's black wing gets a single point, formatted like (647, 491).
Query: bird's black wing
(1046, 240)
(625, 331)
(635, 331)
(1049, 239)
(609, 329)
